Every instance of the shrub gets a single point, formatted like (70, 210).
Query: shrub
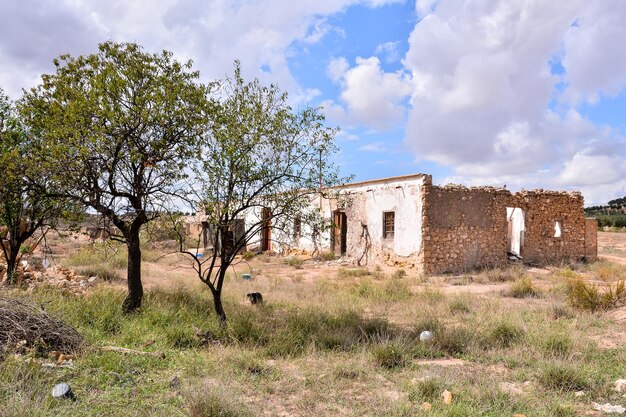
(502, 335)
(586, 296)
(523, 288)
(563, 378)
(295, 262)
(352, 272)
(390, 355)
(212, 402)
(558, 344)
(427, 390)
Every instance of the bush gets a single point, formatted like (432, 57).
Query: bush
(212, 402)
(558, 344)
(586, 296)
(523, 288)
(427, 390)
(390, 355)
(563, 378)
(502, 335)
(295, 262)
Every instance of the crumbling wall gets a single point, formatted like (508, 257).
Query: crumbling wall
(543, 210)
(466, 228)
(591, 239)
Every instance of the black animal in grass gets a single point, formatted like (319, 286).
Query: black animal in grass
(255, 298)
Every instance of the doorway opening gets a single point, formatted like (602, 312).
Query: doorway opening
(515, 217)
(340, 232)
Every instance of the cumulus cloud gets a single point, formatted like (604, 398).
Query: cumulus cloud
(213, 33)
(369, 96)
(484, 95)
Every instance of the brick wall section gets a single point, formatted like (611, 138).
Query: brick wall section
(465, 228)
(591, 239)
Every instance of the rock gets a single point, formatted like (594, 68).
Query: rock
(426, 406)
(425, 336)
(92, 280)
(579, 393)
(446, 396)
(620, 385)
(519, 415)
(609, 408)
(62, 391)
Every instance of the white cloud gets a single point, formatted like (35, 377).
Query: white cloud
(389, 50)
(378, 147)
(336, 68)
(593, 61)
(213, 33)
(370, 96)
(483, 95)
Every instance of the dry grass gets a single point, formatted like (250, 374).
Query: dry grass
(330, 341)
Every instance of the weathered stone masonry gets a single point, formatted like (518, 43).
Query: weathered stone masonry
(465, 228)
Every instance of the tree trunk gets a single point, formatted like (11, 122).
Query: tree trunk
(219, 309)
(135, 289)
(11, 265)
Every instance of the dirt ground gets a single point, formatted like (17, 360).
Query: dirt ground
(612, 246)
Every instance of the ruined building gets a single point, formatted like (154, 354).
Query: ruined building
(409, 221)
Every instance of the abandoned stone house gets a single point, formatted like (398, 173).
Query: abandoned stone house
(409, 221)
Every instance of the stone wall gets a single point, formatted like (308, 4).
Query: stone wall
(466, 228)
(591, 239)
(543, 210)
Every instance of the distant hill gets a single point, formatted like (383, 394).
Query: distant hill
(612, 215)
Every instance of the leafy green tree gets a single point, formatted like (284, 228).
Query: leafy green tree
(262, 164)
(115, 129)
(23, 209)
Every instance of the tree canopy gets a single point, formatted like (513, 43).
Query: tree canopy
(23, 209)
(115, 130)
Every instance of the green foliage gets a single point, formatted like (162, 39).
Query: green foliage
(114, 130)
(587, 296)
(523, 288)
(214, 402)
(563, 377)
(390, 355)
(24, 210)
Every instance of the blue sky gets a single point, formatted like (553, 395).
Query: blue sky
(526, 93)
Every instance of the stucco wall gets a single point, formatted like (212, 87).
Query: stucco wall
(367, 203)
